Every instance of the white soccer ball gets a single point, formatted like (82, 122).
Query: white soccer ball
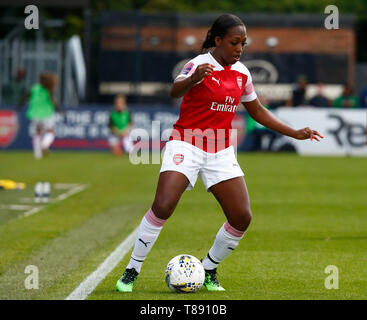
(185, 273)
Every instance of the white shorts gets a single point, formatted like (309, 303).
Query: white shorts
(191, 161)
(114, 140)
(45, 124)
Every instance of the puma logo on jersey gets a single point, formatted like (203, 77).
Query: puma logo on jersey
(216, 80)
(145, 243)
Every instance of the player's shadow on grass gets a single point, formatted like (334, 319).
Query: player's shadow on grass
(160, 292)
(137, 291)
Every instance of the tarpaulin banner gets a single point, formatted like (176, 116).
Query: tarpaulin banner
(81, 128)
(86, 128)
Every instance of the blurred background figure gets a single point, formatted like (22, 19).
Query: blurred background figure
(299, 92)
(120, 125)
(15, 90)
(319, 100)
(41, 113)
(347, 99)
(363, 97)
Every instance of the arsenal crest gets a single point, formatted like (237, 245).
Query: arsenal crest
(178, 158)
(8, 127)
(239, 82)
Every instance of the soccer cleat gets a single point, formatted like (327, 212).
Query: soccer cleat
(126, 283)
(211, 282)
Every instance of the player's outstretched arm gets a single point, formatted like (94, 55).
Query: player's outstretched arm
(180, 87)
(267, 119)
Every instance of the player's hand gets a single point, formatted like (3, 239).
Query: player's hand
(307, 133)
(202, 71)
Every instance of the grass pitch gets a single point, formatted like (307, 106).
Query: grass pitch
(308, 213)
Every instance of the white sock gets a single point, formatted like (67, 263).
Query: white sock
(226, 240)
(149, 229)
(127, 144)
(47, 140)
(37, 151)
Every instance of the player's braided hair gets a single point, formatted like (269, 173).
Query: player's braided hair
(219, 29)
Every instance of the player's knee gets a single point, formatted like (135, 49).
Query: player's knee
(245, 217)
(163, 208)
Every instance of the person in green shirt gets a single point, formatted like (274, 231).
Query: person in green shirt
(347, 99)
(41, 113)
(120, 125)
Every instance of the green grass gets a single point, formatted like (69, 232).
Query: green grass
(308, 213)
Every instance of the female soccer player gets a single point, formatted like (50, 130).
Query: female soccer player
(212, 85)
(41, 113)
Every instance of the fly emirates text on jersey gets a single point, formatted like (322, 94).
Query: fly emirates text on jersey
(228, 106)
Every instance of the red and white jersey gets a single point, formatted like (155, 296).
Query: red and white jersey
(208, 108)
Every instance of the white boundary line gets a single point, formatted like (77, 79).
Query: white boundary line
(76, 189)
(63, 196)
(92, 281)
(64, 185)
(15, 207)
(73, 188)
(32, 210)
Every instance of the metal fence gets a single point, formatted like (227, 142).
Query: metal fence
(35, 57)
(65, 59)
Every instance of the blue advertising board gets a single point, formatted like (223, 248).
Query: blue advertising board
(86, 128)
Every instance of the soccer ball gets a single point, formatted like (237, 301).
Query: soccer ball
(184, 273)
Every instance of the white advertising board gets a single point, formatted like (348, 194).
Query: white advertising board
(344, 130)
